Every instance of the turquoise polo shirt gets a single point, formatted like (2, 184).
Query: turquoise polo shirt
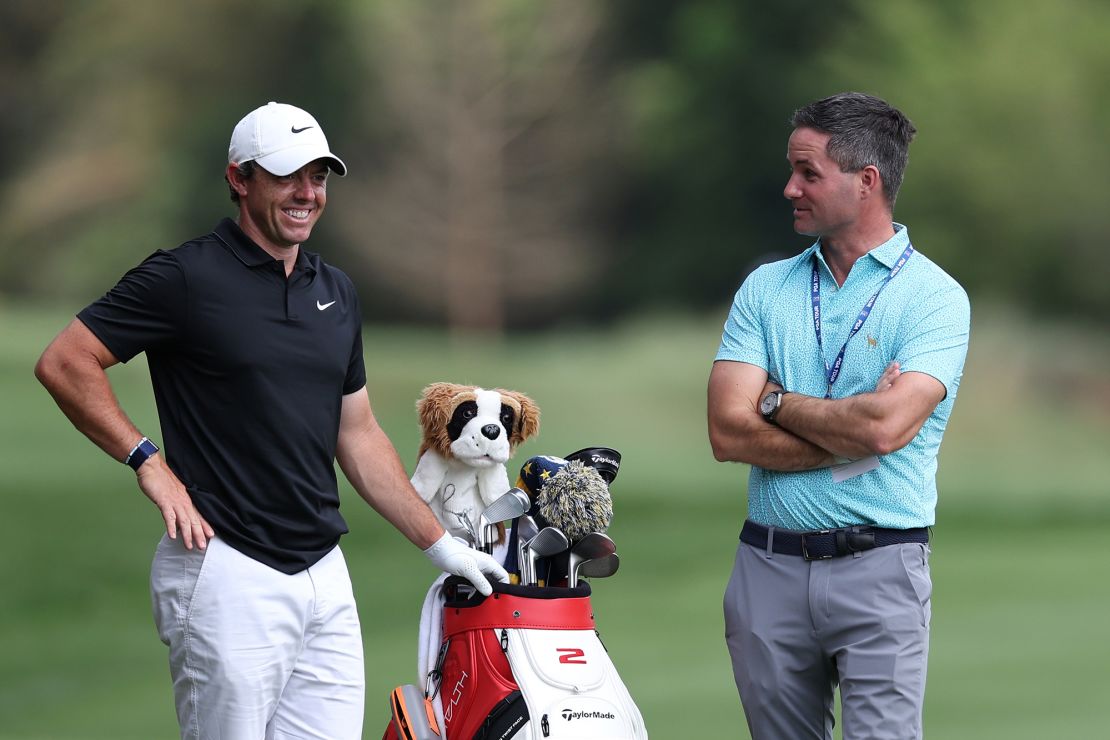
(921, 319)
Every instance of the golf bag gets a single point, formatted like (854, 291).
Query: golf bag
(525, 663)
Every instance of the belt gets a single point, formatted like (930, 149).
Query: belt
(823, 544)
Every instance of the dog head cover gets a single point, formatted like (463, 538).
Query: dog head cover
(468, 434)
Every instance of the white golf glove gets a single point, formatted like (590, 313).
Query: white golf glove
(451, 556)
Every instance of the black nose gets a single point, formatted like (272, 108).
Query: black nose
(491, 431)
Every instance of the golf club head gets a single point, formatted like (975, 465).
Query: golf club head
(525, 529)
(549, 541)
(522, 495)
(593, 546)
(507, 506)
(600, 568)
(471, 530)
(605, 460)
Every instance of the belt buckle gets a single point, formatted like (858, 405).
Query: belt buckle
(805, 548)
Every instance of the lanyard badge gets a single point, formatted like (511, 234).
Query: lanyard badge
(832, 372)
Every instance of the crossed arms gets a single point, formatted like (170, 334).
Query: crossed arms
(814, 432)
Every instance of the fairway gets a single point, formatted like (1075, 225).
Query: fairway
(1020, 554)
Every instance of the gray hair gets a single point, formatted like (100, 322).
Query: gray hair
(863, 130)
(246, 171)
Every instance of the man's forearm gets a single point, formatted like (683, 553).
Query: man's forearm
(370, 463)
(840, 426)
(768, 446)
(739, 433)
(873, 423)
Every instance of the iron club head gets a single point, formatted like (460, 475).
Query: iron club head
(548, 542)
(507, 506)
(600, 568)
(593, 546)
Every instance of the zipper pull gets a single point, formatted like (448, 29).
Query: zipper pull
(505, 641)
(545, 726)
(435, 676)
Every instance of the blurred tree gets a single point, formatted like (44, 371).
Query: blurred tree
(517, 164)
(1010, 168)
(707, 87)
(129, 98)
(478, 215)
(26, 27)
(1005, 178)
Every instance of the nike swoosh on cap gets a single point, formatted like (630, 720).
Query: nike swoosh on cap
(296, 130)
(322, 306)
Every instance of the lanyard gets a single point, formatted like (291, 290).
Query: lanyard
(833, 372)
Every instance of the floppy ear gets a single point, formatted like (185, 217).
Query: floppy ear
(528, 421)
(434, 411)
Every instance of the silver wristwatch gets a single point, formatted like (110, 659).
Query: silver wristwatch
(769, 406)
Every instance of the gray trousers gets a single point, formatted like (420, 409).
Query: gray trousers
(796, 629)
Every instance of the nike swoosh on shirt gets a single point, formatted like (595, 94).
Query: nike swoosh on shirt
(296, 130)
(323, 306)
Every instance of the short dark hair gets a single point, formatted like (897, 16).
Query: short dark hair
(246, 171)
(863, 130)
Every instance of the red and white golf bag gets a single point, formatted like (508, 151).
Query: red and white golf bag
(525, 663)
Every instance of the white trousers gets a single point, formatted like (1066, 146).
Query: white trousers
(256, 654)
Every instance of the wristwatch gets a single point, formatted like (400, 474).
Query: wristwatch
(140, 453)
(769, 406)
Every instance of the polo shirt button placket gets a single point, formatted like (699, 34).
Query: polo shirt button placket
(286, 280)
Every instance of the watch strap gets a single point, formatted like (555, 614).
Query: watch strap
(139, 453)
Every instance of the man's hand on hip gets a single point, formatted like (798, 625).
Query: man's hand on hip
(451, 556)
(162, 487)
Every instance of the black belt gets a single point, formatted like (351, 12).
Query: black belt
(823, 544)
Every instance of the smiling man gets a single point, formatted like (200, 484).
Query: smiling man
(255, 353)
(835, 377)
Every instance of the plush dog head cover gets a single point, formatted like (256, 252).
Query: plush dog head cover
(477, 426)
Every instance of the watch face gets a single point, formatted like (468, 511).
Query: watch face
(767, 405)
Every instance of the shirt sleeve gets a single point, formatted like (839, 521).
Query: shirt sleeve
(356, 365)
(146, 308)
(936, 342)
(742, 339)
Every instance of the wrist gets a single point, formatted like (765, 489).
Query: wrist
(439, 546)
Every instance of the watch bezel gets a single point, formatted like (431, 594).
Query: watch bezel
(770, 404)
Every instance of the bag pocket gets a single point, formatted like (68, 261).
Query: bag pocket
(571, 686)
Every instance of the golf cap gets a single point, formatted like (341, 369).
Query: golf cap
(281, 139)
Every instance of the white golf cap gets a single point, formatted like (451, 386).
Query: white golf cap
(281, 139)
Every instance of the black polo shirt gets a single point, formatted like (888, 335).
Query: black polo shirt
(249, 370)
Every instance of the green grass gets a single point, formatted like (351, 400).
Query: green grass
(1020, 554)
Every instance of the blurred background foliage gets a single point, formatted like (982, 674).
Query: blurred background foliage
(524, 164)
(574, 188)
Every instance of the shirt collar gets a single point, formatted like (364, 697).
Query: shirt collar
(252, 255)
(891, 250)
(886, 253)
